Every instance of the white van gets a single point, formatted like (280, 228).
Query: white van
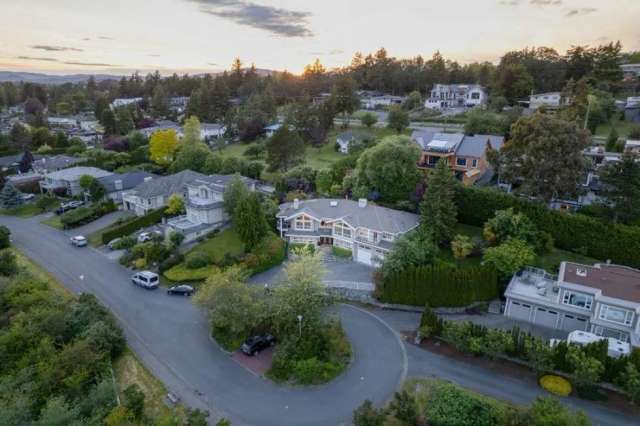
(146, 279)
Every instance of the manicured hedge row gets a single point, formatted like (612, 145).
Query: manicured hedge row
(573, 232)
(84, 215)
(130, 227)
(439, 286)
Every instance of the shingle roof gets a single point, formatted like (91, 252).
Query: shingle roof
(620, 282)
(474, 146)
(129, 180)
(74, 173)
(56, 162)
(372, 216)
(167, 185)
(220, 182)
(470, 146)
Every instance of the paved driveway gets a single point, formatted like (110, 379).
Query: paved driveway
(171, 336)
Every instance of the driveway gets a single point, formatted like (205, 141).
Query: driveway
(171, 336)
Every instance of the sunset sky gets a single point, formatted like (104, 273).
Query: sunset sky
(119, 36)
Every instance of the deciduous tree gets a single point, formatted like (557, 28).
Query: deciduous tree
(162, 147)
(285, 149)
(398, 119)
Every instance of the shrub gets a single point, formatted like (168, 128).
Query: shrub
(130, 227)
(171, 261)
(312, 370)
(368, 415)
(556, 385)
(342, 252)
(125, 243)
(84, 215)
(449, 405)
(295, 247)
(197, 260)
(5, 240)
(8, 265)
(140, 263)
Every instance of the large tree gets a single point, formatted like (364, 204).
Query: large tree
(345, 99)
(622, 188)
(285, 149)
(233, 193)
(438, 208)
(10, 197)
(162, 146)
(398, 118)
(387, 170)
(514, 82)
(249, 221)
(545, 153)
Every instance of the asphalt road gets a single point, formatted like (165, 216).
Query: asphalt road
(170, 335)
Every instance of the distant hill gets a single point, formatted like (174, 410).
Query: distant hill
(31, 77)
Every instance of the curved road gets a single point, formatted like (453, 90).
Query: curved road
(170, 335)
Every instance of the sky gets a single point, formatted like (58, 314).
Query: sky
(121, 36)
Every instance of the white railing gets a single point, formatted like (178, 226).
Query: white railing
(351, 285)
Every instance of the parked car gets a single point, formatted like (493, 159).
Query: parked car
(113, 242)
(182, 290)
(146, 279)
(71, 205)
(78, 241)
(27, 197)
(148, 236)
(255, 344)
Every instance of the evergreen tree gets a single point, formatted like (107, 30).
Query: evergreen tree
(285, 149)
(25, 162)
(622, 188)
(249, 221)
(233, 193)
(108, 120)
(612, 140)
(438, 208)
(10, 197)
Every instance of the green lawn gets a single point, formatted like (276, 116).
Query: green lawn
(623, 128)
(227, 241)
(54, 222)
(30, 209)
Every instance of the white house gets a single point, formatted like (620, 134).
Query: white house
(375, 102)
(212, 131)
(550, 100)
(62, 122)
(120, 102)
(69, 179)
(444, 96)
(367, 230)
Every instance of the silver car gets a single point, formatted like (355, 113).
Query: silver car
(78, 241)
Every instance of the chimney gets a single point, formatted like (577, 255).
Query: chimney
(296, 203)
(148, 178)
(362, 203)
(118, 184)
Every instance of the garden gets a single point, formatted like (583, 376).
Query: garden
(312, 347)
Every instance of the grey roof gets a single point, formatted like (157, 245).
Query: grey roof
(219, 182)
(474, 146)
(11, 159)
(129, 180)
(373, 217)
(445, 142)
(167, 185)
(422, 137)
(350, 135)
(56, 162)
(74, 173)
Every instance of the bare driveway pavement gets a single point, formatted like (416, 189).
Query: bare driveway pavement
(171, 336)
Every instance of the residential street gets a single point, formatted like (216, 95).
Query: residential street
(170, 335)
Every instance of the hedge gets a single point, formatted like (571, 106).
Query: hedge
(84, 215)
(573, 232)
(439, 286)
(130, 227)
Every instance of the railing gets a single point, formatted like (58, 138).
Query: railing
(201, 202)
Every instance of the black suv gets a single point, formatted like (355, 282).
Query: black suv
(255, 344)
(182, 290)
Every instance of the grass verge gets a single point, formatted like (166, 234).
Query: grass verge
(54, 222)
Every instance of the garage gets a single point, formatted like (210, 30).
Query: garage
(520, 311)
(546, 318)
(572, 322)
(364, 255)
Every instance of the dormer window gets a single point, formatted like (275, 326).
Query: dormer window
(204, 193)
(577, 300)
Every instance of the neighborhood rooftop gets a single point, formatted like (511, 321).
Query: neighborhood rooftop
(167, 184)
(621, 282)
(74, 173)
(370, 216)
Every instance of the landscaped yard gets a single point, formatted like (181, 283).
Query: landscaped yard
(31, 208)
(623, 128)
(54, 222)
(226, 242)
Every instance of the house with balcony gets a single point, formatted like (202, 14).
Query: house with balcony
(603, 299)
(204, 205)
(445, 96)
(367, 230)
(465, 154)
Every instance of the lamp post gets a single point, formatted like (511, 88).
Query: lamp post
(299, 326)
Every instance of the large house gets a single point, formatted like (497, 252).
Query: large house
(380, 101)
(466, 154)
(154, 193)
(367, 230)
(68, 180)
(117, 183)
(603, 299)
(444, 96)
(204, 205)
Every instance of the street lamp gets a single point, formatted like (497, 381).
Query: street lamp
(299, 326)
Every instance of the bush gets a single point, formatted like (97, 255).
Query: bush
(180, 273)
(574, 232)
(130, 227)
(170, 262)
(341, 252)
(8, 265)
(84, 215)
(556, 385)
(449, 405)
(438, 285)
(125, 243)
(295, 247)
(5, 240)
(197, 260)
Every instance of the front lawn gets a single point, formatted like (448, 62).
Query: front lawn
(54, 222)
(180, 273)
(225, 243)
(623, 128)
(31, 208)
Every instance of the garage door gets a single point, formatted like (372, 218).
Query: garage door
(364, 255)
(520, 311)
(572, 322)
(546, 317)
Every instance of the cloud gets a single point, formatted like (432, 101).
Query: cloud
(105, 38)
(86, 39)
(331, 52)
(579, 12)
(546, 2)
(33, 58)
(509, 2)
(153, 55)
(213, 64)
(280, 22)
(88, 64)
(49, 48)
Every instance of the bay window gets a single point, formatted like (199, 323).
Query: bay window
(341, 230)
(303, 223)
(617, 315)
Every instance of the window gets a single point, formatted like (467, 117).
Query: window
(341, 230)
(203, 193)
(461, 162)
(303, 223)
(387, 236)
(617, 315)
(578, 300)
(474, 163)
(475, 95)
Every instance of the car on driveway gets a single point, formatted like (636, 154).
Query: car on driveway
(111, 244)
(146, 279)
(27, 197)
(148, 236)
(71, 205)
(78, 241)
(255, 344)
(181, 290)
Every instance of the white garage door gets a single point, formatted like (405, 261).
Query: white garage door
(572, 322)
(520, 311)
(546, 317)
(364, 255)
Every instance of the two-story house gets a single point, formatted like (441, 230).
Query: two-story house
(367, 230)
(204, 205)
(68, 180)
(443, 96)
(603, 299)
(152, 194)
(465, 154)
